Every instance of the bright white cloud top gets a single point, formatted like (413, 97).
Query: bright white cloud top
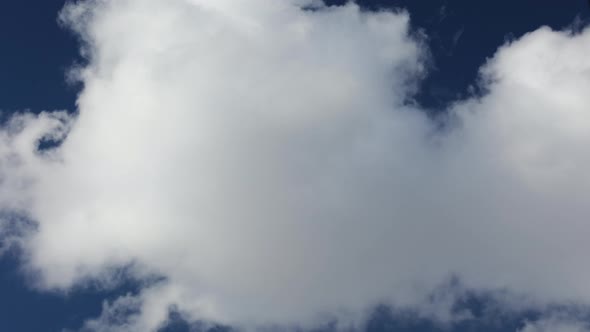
(263, 160)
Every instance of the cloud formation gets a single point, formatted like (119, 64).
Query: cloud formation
(556, 324)
(262, 157)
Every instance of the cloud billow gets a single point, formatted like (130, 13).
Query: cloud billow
(262, 159)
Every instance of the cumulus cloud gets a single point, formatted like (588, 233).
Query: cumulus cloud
(263, 159)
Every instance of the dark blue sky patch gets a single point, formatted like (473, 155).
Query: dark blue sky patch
(36, 53)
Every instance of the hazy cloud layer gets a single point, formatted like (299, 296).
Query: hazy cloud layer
(264, 160)
(556, 324)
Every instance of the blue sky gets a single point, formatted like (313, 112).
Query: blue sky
(460, 37)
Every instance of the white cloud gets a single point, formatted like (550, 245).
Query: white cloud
(261, 158)
(556, 324)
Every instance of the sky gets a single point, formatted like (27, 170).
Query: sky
(298, 165)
